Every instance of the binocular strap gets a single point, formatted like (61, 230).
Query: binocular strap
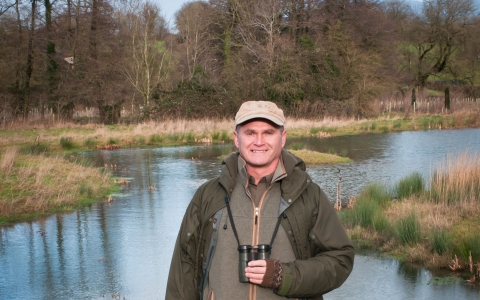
(230, 217)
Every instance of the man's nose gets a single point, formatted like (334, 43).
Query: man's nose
(259, 139)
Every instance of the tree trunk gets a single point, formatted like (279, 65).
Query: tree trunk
(447, 98)
(29, 67)
(51, 63)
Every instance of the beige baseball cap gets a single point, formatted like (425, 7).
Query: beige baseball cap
(260, 109)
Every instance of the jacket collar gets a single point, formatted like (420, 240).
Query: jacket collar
(292, 185)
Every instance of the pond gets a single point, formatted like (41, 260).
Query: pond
(123, 249)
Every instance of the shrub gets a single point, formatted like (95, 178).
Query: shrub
(397, 124)
(373, 126)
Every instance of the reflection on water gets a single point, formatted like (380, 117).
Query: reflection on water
(125, 246)
(378, 278)
(387, 158)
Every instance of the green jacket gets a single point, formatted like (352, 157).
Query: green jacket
(324, 253)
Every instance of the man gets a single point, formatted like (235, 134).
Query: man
(263, 201)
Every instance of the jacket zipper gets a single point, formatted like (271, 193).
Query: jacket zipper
(256, 236)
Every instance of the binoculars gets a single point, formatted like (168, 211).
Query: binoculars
(247, 253)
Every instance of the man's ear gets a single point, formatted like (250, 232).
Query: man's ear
(235, 138)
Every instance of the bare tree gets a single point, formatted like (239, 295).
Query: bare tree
(6, 5)
(434, 37)
(192, 22)
(148, 64)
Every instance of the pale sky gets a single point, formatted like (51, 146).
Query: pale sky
(169, 8)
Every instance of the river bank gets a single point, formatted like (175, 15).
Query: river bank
(433, 222)
(123, 246)
(71, 136)
(67, 139)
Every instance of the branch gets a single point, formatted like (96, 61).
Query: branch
(3, 9)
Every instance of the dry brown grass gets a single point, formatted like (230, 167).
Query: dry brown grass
(37, 184)
(8, 159)
(457, 180)
(205, 129)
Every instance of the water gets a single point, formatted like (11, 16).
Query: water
(124, 248)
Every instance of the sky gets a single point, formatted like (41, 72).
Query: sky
(169, 8)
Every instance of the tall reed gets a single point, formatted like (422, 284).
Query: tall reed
(456, 180)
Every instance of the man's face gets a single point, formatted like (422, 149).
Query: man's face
(260, 145)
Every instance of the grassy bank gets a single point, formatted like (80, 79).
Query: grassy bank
(35, 184)
(434, 222)
(68, 137)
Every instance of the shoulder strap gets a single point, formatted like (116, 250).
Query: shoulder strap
(211, 251)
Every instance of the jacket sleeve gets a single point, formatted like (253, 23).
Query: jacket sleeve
(331, 254)
(182, 282)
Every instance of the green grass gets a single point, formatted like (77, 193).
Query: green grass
(215, 136)
(469, 243)
(225, 136)
(314, 157)
(442, 281)
(364, 127)
(441, 241)
(364, 213)
(296, 146)
(316, 130)
(384, 129)
(89, 143)
(407, 230)
(189, 137)
(66, 143)
(34, 149)
(368, 210)
(413, 184)
(156, 139)
(377, 192)
(85, 190)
